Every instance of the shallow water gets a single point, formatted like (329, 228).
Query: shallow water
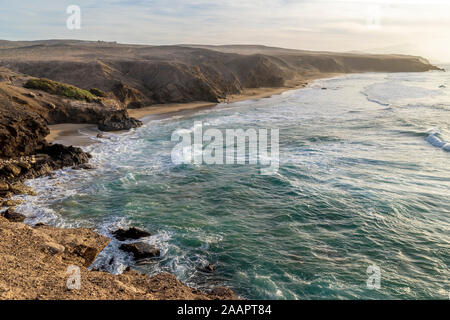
(363, 180)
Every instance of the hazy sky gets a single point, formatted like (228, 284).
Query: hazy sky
(404, 26)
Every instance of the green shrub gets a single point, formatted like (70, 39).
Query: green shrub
(97, 92)
(61, 89)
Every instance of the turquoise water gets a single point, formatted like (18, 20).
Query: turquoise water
(363, 180)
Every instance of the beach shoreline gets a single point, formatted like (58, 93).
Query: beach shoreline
(80, 135)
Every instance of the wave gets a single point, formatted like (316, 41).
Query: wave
(434, 139)
(391, 92)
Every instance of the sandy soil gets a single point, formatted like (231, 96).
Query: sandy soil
(76, 134)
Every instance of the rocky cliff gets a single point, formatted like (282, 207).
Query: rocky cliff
(144, 75)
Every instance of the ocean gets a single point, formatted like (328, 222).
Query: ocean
(359, 207)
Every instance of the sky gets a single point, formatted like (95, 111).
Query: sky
(418, 27)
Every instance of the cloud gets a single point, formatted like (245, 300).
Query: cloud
(341, 25)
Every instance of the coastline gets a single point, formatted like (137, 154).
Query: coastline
(79, 134)
(104, 285)
(48, 243)
(34, 257)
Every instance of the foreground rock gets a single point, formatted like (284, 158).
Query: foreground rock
(34, 264)
(130, 234)
(141, 250)
(13, 216)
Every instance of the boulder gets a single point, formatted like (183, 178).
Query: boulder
(118, 120)
(131, 233)
(4, 186)
(66, 156)
(12, 169)
(210, 268)
(13, 216)
(141, 250)
(39, 224)
(20, 188)
(12, 203)
(88, 253)
(24, 165)
(6, 194)
(53, 248)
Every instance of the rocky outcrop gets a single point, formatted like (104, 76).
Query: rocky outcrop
(13, 216)
(131, 97)
(141, 250)
(22, 131)
(118, 120)
(130, 234)
(143, 75)
(44, 259)
(49, 157)
(24, 116)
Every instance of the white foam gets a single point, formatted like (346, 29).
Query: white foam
(434, 140)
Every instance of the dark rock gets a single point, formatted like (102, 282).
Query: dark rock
(87, 253)
(13, 216)
(11, 169)
(66, 156)
(210, 268)
(141, 250)
(100, 135)
(39, 224)
(24, 165)
(6, 194)
(131, 233)
(118, 120)
(20, 188)
(4, 186)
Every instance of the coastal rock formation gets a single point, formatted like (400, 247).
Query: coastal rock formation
(38, 259)
(24, 116)
(118, 120)
(130, 234)
(140, 75)
(141, 250)
(13, 216)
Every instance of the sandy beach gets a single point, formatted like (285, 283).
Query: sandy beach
(81, 134)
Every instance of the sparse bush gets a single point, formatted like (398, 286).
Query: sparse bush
(97, 92)
(61, 89)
